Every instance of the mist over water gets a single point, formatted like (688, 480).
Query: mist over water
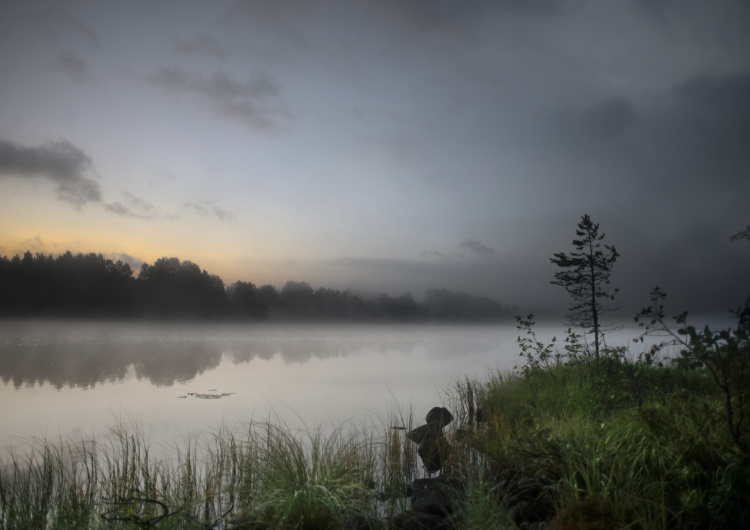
(72, 379)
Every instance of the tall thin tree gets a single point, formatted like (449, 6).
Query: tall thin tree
(585, 275)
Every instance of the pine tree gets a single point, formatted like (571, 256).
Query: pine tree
(585, 275)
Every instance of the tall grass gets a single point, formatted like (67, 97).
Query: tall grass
(264, 475)
(609, 442)
(615, 442)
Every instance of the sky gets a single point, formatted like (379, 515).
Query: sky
(385, 145)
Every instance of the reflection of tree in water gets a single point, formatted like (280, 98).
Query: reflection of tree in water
(291, 350)
(246, 351)
(300, 350)
(79, 356)
(173, 361)
(68, 363)
(82, 363)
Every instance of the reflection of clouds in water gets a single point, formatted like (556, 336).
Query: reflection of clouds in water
(462, 343)
(82, 355)
(450, 348)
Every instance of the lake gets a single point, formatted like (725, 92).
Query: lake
(65, 380)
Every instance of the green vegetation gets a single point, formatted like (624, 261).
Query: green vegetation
(567, 438)
(571, 438)
(625, 441)
(268, 476)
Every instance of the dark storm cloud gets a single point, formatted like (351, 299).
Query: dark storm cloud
(208, 209)
(711, 133)
(592, 126)
(478, 248)
(398, 21)
(719, 98)
(61, 162)
(442, 14)
(134, 207)
(609, 119)
(204, 45)
(58, 22)
(72, 66)
(733, 14)
(255, 103)
(700, 270)
(701, 137)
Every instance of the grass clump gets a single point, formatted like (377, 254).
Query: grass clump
(568, 439)
(264, 477)
(310, 481)
(616, 441)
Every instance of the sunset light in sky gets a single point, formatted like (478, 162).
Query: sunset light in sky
(384, 146)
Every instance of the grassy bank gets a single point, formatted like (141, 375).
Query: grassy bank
(566, 440)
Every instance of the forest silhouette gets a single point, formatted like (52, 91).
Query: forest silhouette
(91, 286)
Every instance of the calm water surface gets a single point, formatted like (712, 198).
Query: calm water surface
(72, 379)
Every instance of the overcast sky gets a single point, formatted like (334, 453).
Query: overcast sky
(385, 145)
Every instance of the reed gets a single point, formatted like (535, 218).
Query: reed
(262, 475)
(608, 442)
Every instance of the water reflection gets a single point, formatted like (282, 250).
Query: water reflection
(69, 378)
(84, 355)
(82, 364)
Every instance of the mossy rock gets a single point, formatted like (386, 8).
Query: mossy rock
(585, 515)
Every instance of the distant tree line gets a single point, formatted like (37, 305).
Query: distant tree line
(91, 286)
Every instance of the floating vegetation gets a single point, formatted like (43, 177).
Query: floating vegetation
(207, 396)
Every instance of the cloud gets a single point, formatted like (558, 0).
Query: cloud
(479, 277)
(605, 121)
(201, 45)
(135, 263)
(478, 248)
(435, 253)
(608, 119)
(134, 207)
(56, 20)
(208, 209)
(61, 162)
(254, 103)
(701, 137)
(72, 66)
(725, 97)
(431, 15)
(34, 244)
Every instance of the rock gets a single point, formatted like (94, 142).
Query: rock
(433, 451)
(432, 504)
(534, 526)
(529, 501)
(411, 520)
(587, 515)
(433, 447)
(423, 431)
(435, 496)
